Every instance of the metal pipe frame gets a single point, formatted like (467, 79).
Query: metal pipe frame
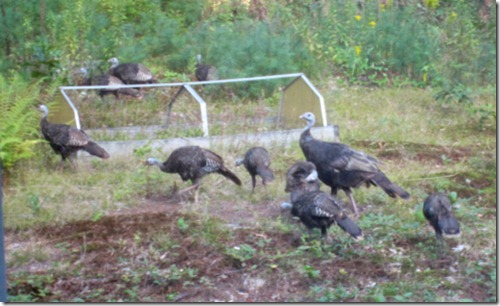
(201, 102)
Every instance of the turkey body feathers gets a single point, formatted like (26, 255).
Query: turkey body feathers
(340, 166)
(205, 72)
(107, 80)
(437, 210)
(257, 162)
(316, 209)
(193, 163)
(320, 210)
(131, 73)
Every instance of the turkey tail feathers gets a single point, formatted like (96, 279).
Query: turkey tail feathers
(350, 227)
(389, 187)
(230, 175)
(266, 174)
(96, 150)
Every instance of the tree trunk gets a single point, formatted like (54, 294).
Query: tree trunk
(42, 16)
(6, 29)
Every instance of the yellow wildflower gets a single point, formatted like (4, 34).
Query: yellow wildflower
(358, 17)
(453, 15)
(358, 50)
(433, 4)
(372, 24)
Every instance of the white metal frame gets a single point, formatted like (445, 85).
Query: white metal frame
(201, 102)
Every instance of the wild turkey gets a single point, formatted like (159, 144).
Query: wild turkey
(257, 162)
(339, 166)
(107, 80)
(316, 209)
(437, 210)
(205, 72)
(303, 176)
(131, 73)
(66, 140)
(193, 163)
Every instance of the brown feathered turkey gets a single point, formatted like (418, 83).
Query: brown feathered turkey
(107, 80)
(204, 72)
(257, 162)
(193, 163)
(131, 73)
(315, 208)
(66, 140)
(340, 166)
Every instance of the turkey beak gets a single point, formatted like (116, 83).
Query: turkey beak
(312, 177)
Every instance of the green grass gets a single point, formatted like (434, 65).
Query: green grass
(425, 147)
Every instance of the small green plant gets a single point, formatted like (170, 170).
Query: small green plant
(34, 203)
(97, 216)
(143, 151)
(171, 296)
(310, 271)
(30, 287)
(241, 253)
(405, 297)
(454, 92)
(324, 294)
(453, 197)
(176, 274)
(446, 160)
(182, 225)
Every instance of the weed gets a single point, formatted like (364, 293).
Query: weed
(182, 225)
(241, 253)
(32, 288)
(142, 151)
(337, 294)
(34, 203)
(310, 272)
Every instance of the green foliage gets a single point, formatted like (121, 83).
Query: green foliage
(310, 271)
(30, 288)
(20, 120)
(325, 294)
(241, 253)
(263, 50)
(143, 151)
(453, 92)
(34, 203)
(182, 225)
(371, 43)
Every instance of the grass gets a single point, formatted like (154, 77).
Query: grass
(113, 229)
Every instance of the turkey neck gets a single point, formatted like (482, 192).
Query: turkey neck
(44, 123)
(306, 133)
